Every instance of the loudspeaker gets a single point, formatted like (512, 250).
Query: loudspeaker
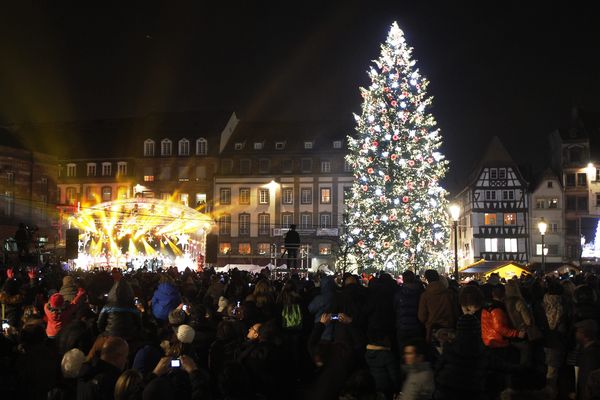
(212, 248)
(72, 245)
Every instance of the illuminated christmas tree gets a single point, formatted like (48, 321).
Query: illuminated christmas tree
(397, 211)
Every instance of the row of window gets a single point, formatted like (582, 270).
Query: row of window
(95, 194)
(264, 222)
(510, 245)
(546, 202)
(497, 173)
(265, 249)
(287, 196)
(106, 169)
(491, 195)
(286, 166)
(166, 147)
(493, 218)
(183, 173)
(573, 179)
(308, 145)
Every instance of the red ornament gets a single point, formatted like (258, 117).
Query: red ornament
(394, 103)
(410, 163)
(386, 89)
(395, 137)
(406, 243)
(429, 160)
(361, 243)
(393, 217)
(386, 245)
(382, 199)
(386, 178)
(405, 199)
(405, 94)
(393, 157)
(410, 186)
(370, 170)
(375, 143)
(365, 188)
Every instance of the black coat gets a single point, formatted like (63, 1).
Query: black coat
(97, 381)
(119, 321)
(406, 307)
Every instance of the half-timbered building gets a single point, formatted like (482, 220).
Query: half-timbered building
(494, 210)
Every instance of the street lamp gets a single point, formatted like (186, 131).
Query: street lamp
(542, 226)
(454, 214)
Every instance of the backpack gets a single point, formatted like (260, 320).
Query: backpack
(291, 317)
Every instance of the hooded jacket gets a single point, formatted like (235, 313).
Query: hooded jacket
(406, 307)
(59, 317)
(166, 298)
(119, 317)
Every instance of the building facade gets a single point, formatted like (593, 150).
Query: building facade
(273, 175)
(547, 204)
(493, 224)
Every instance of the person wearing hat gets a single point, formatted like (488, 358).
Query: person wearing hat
(586, 334)
(60, 312)
(292, 243)
(68, 289)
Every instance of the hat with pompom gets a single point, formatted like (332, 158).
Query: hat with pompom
(185, 334)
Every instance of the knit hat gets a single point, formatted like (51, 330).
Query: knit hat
(468, 323)
(185, 334)
(56, 300)
(223, 303)
(177, 316)
(71, 363)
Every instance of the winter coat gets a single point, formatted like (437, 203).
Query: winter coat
(589, 360)
(438, 307)
(97, 381)
(68, 290)
(518, 312)
(37, 372)
(166, 298)
(419, 384)
(323, 301)
(12, 301)
(406, 307)
(384, 368)
(119, 317)
(495, 328)
(59, 317)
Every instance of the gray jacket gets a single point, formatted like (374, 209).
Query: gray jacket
(419, 384)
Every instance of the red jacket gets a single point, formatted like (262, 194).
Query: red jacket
(495, 329)
(57, 319)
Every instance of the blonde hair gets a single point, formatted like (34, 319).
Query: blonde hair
(129, 383)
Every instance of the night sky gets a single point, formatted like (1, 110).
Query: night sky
(508, 71)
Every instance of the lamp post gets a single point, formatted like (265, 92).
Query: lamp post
(454, 214)
(542, 226)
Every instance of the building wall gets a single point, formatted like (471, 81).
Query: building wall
(547, 202)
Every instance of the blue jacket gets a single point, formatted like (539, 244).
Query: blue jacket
(166, 298)
(323, 301)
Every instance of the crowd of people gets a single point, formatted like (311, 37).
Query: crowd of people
(206, 335)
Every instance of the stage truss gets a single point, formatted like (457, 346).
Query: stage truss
(141, 232)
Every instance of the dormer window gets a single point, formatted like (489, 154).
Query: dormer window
(258, 145)
(184, 147)
(91, 169)
(308, 145)
(281, 146)
(106, 169)
(337, 144)
(239, 146)
(148, 148)
(166, 147)
(201, 147)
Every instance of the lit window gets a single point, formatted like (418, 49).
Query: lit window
(184, 198)
(166, 148)
(90, 193)
(148, 178)
(201, 147)
(510, 245)
(122, 192)
(225, 197)
(337, 144)
(263, 248)
(324, 249)
(263, 196)
(148, 148)
(224, 248)
(491, 245)
(71, 196)
(308, 145)
(184, 147)
(325, 195)
(490, 219)
(510, 219)
(244, 197)
(244, 249)
(200, 200)
(106, 193)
